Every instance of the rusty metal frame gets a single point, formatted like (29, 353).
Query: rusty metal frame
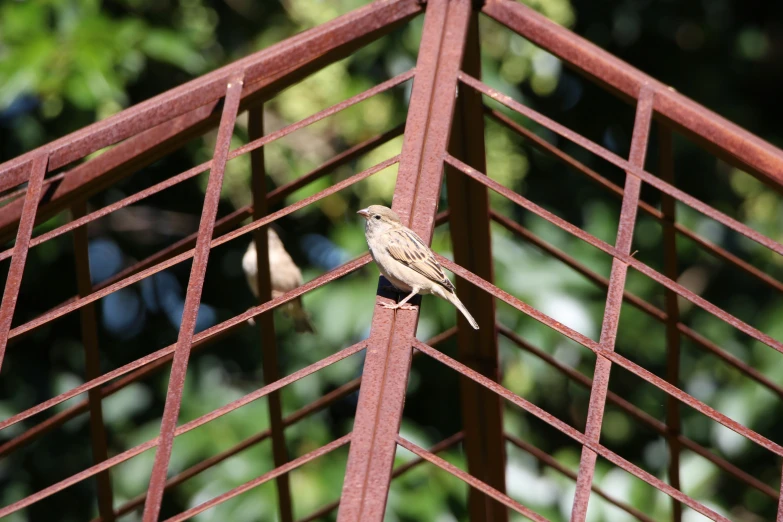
(443, 135)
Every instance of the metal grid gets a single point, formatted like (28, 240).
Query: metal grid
(443, 133)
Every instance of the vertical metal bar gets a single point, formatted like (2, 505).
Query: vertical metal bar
(38, 168)
(482, 410)
(92, 363)
(387, 364)
(672, 315)
(266, 321)
(198, 271)
(614, 301)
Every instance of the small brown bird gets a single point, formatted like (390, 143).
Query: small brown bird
(285, 276)
(404, 259)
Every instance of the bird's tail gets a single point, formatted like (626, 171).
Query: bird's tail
(452, 297)
(302, 323)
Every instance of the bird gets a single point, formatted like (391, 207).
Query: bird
(284, 275)
(405, 260)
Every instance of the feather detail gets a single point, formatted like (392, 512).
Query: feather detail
(409, 249)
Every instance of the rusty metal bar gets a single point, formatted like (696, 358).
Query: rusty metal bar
(437, 448)
(630, 260)
(362, 25)
(247, 486)
(416, 193)
(187, 328)
(671, 271)
(253, 145)
(546, 147)
(138, 276)
(482, 411)
(623, 164)
(639, 303)
(641, 416)
(548, 460)
(208, 417)
(568, 430)
(721, 136)
(471, 480)
(266, 322)
(614, 301)
(89, 326)
(37, 170)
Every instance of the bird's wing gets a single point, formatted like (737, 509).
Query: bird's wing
(409, 249)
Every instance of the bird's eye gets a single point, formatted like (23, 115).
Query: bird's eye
(377, 216)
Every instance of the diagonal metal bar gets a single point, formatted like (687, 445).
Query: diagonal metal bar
(38, 167)
(639, 303)
(541, 144)
(614, 301)
(547, 460)
(641, 416)
(92, 365)
(387, 364)
(247, 486)
(471, 480)
(630, 260)
(568, 430)
(624, 164)
(266, 322)
(721, 136)
(672, 315)
(189, 426)
(482, 411)
(614, 357)
(192, 300)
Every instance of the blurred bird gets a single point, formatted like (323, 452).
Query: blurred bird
(404, 259)
(285, 276)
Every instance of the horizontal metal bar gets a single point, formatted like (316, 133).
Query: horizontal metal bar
(623, 164)
(568, 430)
(200, 421)
(247, 486)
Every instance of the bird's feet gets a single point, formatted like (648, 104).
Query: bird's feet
(404, 306)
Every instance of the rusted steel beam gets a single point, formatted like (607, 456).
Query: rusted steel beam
(471, 480)
(671, 271)
(546, 147)
(721, 136)
(266, 322)
(399, 470)
(482, 411)
(569, 431)
(89, 326)
(37, 171)
(416, 194)
(614, 301)
(187, 328)
(345, 33)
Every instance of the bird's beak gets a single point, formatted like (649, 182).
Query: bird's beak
(365, 213)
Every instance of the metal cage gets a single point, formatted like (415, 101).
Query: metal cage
(443, 134)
